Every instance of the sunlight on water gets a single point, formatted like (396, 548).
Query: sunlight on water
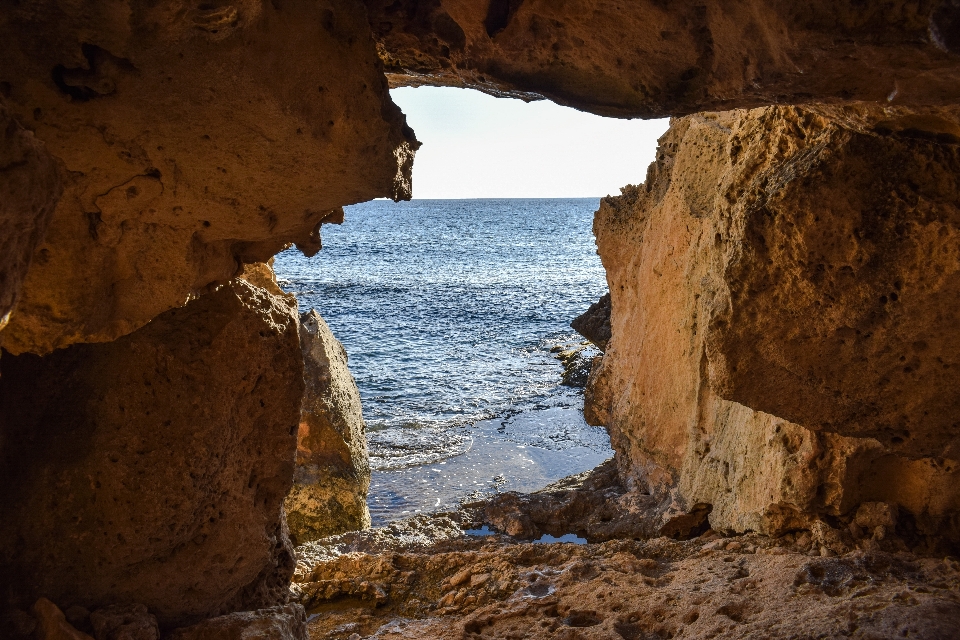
(448, 310)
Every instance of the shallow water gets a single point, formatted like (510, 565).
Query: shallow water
(448, 310)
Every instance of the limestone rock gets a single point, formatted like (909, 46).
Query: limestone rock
(652, 59)
(52, 624)
(194, 137)
(124, 622)
(594, 323)
(329, 494)
(754, 365)
(288, 622)
(153, 468)
(29, 189)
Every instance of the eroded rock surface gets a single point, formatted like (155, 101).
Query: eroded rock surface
(332, 475)
(652, 59)
(152, 469)
(288, 622)
(427, 580)
(29, 190)
(782, 317)
(193, 138)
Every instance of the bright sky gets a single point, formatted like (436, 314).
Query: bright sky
(478, 146)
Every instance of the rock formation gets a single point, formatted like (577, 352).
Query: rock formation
(423, 578)
(594, 323)
(782, 286)
(329, 493)
(653, 59)
(288, 622)
(29, 190)
(781, 315)
(191, 143)
(152, 469)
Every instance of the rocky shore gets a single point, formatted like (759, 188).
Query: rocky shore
(434, 577)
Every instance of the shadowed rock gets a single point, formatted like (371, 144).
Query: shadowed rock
(594, 323)
(153, 468)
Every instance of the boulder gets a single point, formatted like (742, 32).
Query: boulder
(329, 494)
(51, 624)
(288, 622)
(594, 323)
(194, 138)
(782, 301)
(152, 469)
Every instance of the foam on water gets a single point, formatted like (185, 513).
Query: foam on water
(448, 310)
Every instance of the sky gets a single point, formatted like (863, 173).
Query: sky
(478, 146)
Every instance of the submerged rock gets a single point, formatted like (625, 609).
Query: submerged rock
(332, 475)
(153, 468)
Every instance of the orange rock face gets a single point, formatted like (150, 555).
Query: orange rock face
(652, 59)
(748, 277)
(152, 469)
(193, 138)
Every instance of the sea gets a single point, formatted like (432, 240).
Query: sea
(450, 312)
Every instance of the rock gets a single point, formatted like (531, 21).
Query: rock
(493, 587)
(594, 323)
(124, 622)
(876, 514)
(51, 623)
(30, 187)
(329, 494)
(153, 468)
(774, 391)
(288, 622)
(651, 59)
(176, 171)
(15, 623)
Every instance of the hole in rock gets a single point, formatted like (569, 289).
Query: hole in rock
(455, 307)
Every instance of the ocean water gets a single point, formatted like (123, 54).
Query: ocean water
(448, 310)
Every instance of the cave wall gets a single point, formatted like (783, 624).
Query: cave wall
(152, 469)
(760, 244)
(151, 150)
(657, 58)
(193, 138)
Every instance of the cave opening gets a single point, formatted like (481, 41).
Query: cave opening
(455, 307)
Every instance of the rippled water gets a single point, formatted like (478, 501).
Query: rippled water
(448, 310)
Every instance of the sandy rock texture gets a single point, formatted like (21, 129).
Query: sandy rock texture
(29, 189)
(782, 317)
(752, 586)
(332, 475)
(152, 469)
(193, 137)
(652, 59)
(287, 622)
